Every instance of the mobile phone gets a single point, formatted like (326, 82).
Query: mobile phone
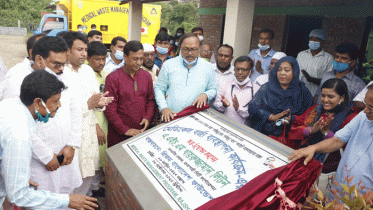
(60, 158)
(102, 88)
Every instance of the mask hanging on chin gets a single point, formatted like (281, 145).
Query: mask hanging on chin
(243, 82)
(340, 67)
(40, 117)
(119, 55)
(50, 71)
(200, 38)
(263, 48)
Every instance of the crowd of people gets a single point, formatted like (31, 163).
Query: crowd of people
(85, 100)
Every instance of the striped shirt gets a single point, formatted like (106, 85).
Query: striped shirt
(315, 66)
(354, 84)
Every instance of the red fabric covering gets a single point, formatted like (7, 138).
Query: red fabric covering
(190, 110)
(15, 208)
(290, 184)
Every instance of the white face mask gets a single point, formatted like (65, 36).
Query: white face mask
(80, 29)
(200, 38)
(243, 82)
(51, 72)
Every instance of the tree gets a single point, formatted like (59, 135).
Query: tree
(179, 15)
(27, 11)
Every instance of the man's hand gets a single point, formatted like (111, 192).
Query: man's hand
(53, 164)
(82, 202)
(306, 75)
(236, 105)
(105, 100)
(306, 152)
(200, 101)
(258, 66)
(132, 132)
(225, 101)
(276, 117)
(68, 153)
(167, 115)
(33, 184)
(100, 135)
(94, 100)
(144, 122)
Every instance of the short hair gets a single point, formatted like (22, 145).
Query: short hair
(48, 44)
(96, 48)
(93, 25)
(351, 49)
(116, 39)
(31, 41)
(197, 29)
(187, 35)
(244, 58)
(79, 25)
(132, 46)
(268, 31)
(40, 84)
(370, 87)
(340, 87)
(71, 36)
(182, 29)
(162, 37)
(226, 45)
(163, 29)
(93, 33)
(207, 45)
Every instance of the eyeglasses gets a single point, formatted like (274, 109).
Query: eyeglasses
(56, 64)
(237, 69)
(205, 51)
(367, 106)
(186, 51)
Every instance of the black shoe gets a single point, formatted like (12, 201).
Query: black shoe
(98, 193)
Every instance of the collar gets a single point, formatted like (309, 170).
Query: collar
(321, 53)
(229, 71)
(182, 62)
(110, 60)
(168, 57)
(349, 76)
(269, 54)
(249, 84)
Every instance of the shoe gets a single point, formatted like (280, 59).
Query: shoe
(98, 193)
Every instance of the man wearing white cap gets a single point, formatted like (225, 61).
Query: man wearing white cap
(314, 62)
(149, 61)
(262, 79)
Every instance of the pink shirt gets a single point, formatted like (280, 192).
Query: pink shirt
(244, 96)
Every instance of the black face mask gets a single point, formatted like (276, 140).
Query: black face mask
(223, 69)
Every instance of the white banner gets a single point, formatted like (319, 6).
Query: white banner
(196, 159)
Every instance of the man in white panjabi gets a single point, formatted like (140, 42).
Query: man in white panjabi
(91, 100)
(62, 134)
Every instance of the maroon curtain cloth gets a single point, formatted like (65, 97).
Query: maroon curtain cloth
(189, 110)
(290, 184)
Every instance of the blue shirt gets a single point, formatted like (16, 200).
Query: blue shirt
(358, 156)
(159, 62)
(183, 85)
(266, 62)
(16, 128)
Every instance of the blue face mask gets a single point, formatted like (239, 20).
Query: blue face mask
(162, 50)
(340, 67)
(314, 45)
(119, 55)
(40, 117)
(190, 63)
(263, 48)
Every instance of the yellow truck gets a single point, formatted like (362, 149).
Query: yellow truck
(109, 17)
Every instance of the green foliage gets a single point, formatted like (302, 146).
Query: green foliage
(27, 11)
(179, 15)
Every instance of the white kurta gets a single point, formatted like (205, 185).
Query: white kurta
(88, 152)
(11, 84)
(65, 129)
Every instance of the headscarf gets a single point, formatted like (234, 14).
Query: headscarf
(272, 99)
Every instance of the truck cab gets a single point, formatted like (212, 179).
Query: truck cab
(52, 24)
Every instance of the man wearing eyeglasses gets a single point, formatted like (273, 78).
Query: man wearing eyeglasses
(62, 134)
(186, 80)
(206, 52)
(234, 96)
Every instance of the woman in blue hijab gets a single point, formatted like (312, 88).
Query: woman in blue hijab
(282, 97)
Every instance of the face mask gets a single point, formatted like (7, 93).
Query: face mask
(119, 55)
(172, 42)
(340, 67)
(40, 117)
(314, 45)
(51, 72)
(94, 29)
(190, 63)
(263, 48)
(80, 29)
(177, 43)
(243, 82)
(162, 50)
(200, 38)
(207, 59)
(179, 34)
